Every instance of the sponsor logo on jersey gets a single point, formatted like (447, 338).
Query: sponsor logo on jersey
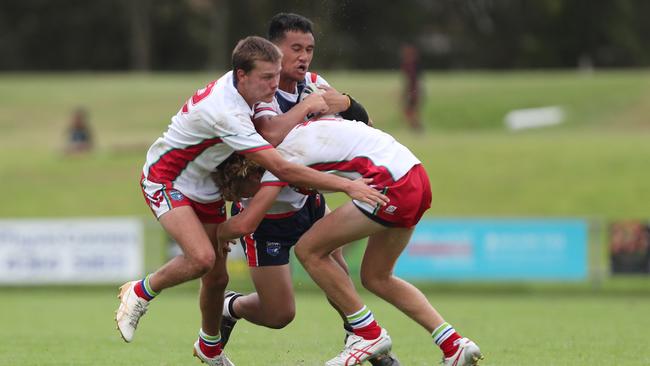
(176, 195)
(272, 248)
(390, 209)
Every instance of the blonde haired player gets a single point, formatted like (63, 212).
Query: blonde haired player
(354, 150)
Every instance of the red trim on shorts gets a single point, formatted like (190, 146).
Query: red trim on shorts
(251, 252)
(280, 215)
(259, 148)
(170, 165)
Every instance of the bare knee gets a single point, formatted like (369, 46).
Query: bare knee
(202, 263)
(303, 255)
(215, 281)
(376, 283)
(281, 319)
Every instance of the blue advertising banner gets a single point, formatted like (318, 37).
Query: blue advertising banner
(475, 249)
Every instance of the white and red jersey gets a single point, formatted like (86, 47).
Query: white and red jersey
(288, 200)
(212, 124)
(346, 148)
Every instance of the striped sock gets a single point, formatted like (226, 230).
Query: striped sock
(144, 290)
(363, 324)
(210, 345)
(445, 336)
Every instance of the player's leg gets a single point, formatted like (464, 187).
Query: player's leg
(209, 346)
(273, 304)
(377, 266)
(377, 276)
(198, 257)
(345, 224)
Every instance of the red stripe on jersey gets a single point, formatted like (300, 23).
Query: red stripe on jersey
(173, 162)
(314, 77)
(257, 110)
(259, 148)
(380, 175)
(277, 184)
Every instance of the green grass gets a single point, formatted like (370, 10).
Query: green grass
(64, 326)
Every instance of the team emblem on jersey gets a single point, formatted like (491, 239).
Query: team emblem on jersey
(390, 209)
(176, 195)
(272, 248)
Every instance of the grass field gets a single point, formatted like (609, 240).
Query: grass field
(74, 327)
(594, 166)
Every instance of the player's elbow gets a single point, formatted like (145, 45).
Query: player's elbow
(273, 138)
(271, 135)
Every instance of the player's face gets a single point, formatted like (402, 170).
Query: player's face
(259, 84)
(298, 50)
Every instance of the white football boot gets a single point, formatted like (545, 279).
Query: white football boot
(468, 354)
(132, 308)
(357, 349)
(220, 360)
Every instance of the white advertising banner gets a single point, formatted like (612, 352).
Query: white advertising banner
(70, 251)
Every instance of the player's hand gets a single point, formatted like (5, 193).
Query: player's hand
(336, 101)
(315, 104)
(360, 189)
(223, 245)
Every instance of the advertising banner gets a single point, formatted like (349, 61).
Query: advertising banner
(476, 249)
(70, 251)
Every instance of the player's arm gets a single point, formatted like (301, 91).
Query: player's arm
(249, 219)
(303, 176)
(344, 105)
(275, 128)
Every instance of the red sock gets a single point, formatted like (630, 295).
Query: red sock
(370, 331)
(448, 347)
(209, 350)
(141, 292)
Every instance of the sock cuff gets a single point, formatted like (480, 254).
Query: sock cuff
(441, 333)
(360, 318)
(209, 339)
(147, 287)
(229, 306)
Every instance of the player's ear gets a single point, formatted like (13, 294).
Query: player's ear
(239, 74)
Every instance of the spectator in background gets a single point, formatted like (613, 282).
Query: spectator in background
(411, 70)
(79, 138)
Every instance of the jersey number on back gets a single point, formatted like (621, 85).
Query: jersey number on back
(198, 96)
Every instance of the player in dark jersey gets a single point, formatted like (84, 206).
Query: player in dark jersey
(267, 249)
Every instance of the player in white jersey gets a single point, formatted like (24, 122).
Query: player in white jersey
(177, 186)
(268, 248)
(354, 150)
